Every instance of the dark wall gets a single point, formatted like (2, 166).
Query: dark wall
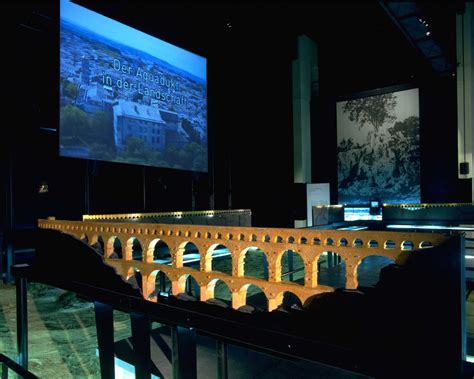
(249, 111)
(391, 62)
(249, 48)
(438, 142)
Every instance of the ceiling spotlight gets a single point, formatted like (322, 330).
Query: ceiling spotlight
(43, 188)
(229, 25)
(428, 33)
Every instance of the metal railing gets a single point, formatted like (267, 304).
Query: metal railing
(8, 364)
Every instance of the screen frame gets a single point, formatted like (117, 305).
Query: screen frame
(99, 10)
(375, 92)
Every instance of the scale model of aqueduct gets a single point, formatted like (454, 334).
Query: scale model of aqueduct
(309, 244)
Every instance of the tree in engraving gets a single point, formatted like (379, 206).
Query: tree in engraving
(404, 143)
(374, 111)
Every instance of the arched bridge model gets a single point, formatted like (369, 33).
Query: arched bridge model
(309, 244)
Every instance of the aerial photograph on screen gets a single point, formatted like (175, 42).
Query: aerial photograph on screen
(126, 96)
(378, 148)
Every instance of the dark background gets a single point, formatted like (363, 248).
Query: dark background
(249, 49)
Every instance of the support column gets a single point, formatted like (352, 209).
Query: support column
(22, 322)
(205, 292)
(238, 298)
(305, 73)
(10, 258)
(141, 345)
(104, 320)
(183, 342)
(275, 265)
(237, 266)
(9, 219)
(4, 370)
(147, 288)
(311, 274)
(222, 370)
(351, 273)
(274, 303)
(465, 90)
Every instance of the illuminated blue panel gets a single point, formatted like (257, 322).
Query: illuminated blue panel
(359, 213)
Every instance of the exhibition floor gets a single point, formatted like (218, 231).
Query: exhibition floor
(62, 342)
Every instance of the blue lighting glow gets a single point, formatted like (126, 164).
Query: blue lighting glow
(431, 227)
(360, 213)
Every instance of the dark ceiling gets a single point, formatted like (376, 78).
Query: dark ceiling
(360, 45)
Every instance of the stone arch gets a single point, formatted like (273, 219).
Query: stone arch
(250, 294)
(158, 284)
(114, 248)
(188, 255)
(134, 250)
(218, 289)
(389, 244)
(358, 243)
(407, 245)
(425, 245)
(331, 269)
(253, 262)
(159, 251)
(189, 285)
(134, 278)
(368, 269)
(97, 243)
(372, 244)
(219, 258)
(343, 242)
(289, 267)
(286, 301)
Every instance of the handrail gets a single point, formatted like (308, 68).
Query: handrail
(179, 214)
(7, 363)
